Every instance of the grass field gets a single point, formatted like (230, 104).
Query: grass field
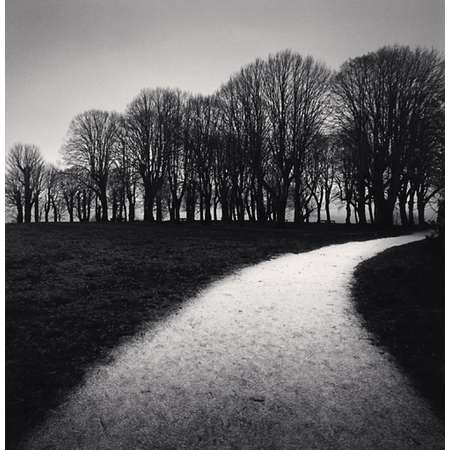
(400, 295)
(74, 291)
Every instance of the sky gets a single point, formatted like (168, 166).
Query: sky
(67, 56)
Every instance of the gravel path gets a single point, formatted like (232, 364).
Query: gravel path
(272, 356)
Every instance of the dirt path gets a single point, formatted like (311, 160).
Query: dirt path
(270, 357)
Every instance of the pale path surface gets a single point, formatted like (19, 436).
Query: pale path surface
(273, 356)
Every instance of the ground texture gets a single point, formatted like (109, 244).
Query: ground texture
(75, 291)
(273, 356)
(400, 294)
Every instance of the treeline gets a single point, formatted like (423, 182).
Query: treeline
(282, 133)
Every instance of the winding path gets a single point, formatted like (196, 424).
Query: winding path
(273, 356)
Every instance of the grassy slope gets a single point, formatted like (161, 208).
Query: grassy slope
(400, 294)
(73, 291)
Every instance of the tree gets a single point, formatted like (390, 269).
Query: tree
(127, 173)
(149, 132)
(24, 169)
(51, 192)
(382, 100)
(84, 198)
(310, 108)
(203, 141)
(278, 97)
(91, 146)
(14, 194)
(180, 122)
(69, 185)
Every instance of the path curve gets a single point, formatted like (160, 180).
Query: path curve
(273, 356)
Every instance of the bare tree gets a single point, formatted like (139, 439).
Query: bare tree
(148, 131)
(90, 147)
(51, 192)
(25, 168)
(202, 142)
(382, 99)
(14, 194)
(310, 108)
(84, 198)
(69, 185)
(127, 173)
(177, 154)
(278, 97)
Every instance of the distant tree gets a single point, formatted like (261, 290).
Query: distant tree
(250, 90)
(127, 173)
(69, 185)
(84, 203)
(278, 97)
(90, 147)
(38, 182)
(14, 194)
(310, 108)
(149, 134)
(52, 190)
(177, 155)
(426, 162)
(345, 176)
(25, 169)
(233, 171)
(329, 173)
(203, 141)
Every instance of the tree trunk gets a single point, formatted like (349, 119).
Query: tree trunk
(327, 205)
(177, 210)
(362, 211)
(27, 198)
(260, 208)
(88, 206)
(47, 210)
(55, 212)
(36, 209)
(207, 206)
(19, 211)
(281, 209)
(355, 212)
(225, 210)
(79, 215)
(159, 209)
(379, 202)
(115, 207)
(215, 210)
(190, 204)
(104, 206)
(348, 213)
(201, 207)
(411, 207)
(319, 201)
(298, 206)
(402, 197)
(131, 211)
(421, 208)
(370, 211)
(149, 200)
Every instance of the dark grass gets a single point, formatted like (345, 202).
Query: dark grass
(400, 295)
(74, 291)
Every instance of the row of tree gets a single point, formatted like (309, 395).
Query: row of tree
(282, 133)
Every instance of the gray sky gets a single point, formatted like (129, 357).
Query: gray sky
(66, 56)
